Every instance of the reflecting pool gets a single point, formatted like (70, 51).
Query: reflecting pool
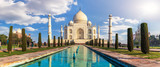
(76, 56)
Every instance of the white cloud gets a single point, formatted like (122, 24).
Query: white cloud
(30, 29)
(4, 30)
(117, 19)
(59, 19)
(124, 33)
(116, 27)
(29, 13)
(106, 22)
(132, 21)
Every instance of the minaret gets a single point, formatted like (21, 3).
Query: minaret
(49, 27)
(61, 31)
(110, 29)
(98, 36)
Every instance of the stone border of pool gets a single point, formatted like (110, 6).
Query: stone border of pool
(28, 57)
(135, 61)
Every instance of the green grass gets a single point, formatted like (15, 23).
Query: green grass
(5, 46)
(5, 54)
(151, 55)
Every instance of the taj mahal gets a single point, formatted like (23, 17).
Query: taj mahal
(80, 29)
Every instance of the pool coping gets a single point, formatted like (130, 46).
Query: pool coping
(15, 60)
(135, 61)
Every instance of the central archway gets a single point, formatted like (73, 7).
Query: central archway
(80, 34)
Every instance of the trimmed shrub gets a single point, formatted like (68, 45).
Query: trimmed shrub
(99, 42)
(39, 41)
(65, 43)
(144, 38)
(49, 44)
(68, 42)
(61, 41)
(130, 39)
(116, 41)
(9, 47)
(102, 42)
(54, 41)
(108, 44)
(24, 42)
(95, 42)
(58, 41)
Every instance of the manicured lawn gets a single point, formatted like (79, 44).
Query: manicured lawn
(4, 54)
(5, 46)
(151, 55)
(155, 47)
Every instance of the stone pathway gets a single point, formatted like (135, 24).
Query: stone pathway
(136, 61)
(20, 59)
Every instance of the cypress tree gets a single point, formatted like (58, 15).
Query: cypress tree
(116, 42)
(58, 41)
(54, 41)
(39, 41)
(48, 41)
(61, 41)
(130, 39)
(99, 42)
(102, 42)
(95, 42)
(9, 47)
(68, 42)
(24, 42)
(144, 38)
(65, 43)
(108, 44)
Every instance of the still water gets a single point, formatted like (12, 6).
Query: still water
(76, 56)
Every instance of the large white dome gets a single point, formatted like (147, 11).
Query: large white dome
(80, 16)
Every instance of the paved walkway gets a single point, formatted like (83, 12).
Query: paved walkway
(20, 59)
(136, 61)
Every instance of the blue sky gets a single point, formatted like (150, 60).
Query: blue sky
(32, 15)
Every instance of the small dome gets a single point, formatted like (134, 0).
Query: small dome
(89, 23)
(110, 15)
(71, 23)
(80, 16)
(14, 31)
(19, 30)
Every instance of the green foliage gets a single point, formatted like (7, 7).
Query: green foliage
(96, 42)
(68, 42)
(24, 42)
(65, 43)
(93, 42)
(130, 39)
(116, 41)
(54, 41)
(108, 44)
(61, 41)
(49, 41)
(9, 48)
(39, 41)
(3, 39)
(99, 42)
(58, 41)
(102, 42)
(144, 38)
